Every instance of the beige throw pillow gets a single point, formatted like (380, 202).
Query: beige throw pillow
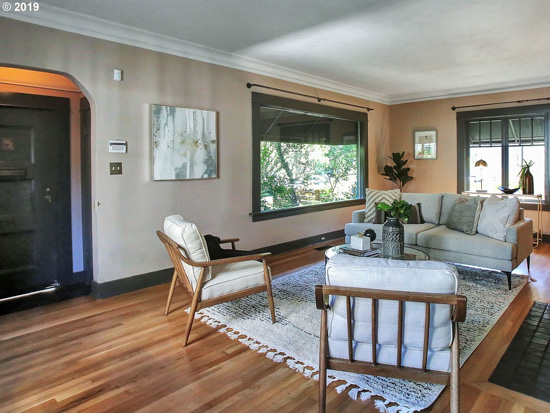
(374, 196)
(496, 215)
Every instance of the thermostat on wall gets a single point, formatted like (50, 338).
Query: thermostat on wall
(118, 146)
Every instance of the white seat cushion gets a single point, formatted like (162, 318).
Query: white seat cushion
(192, 243)
(414, 276)
(230, 278)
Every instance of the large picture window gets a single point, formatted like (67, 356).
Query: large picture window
(306, 156)
(494, 143)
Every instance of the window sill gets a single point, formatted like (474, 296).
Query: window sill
(281, 213)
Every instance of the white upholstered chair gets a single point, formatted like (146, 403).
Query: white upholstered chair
(374, 317)
(210, 282)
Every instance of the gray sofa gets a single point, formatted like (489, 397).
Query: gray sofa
(445, 244)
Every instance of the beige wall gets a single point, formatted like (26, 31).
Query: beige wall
(133, 206)
(440, 175)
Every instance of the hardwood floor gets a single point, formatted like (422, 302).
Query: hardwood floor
(122, 354)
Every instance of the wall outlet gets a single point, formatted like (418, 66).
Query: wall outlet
(115, 168)
(323, 238)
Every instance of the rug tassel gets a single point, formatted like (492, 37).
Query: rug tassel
(365, 395)
(342, 387)
(353, 393)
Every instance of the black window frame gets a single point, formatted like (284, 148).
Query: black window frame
(259, 100)
(463, 160)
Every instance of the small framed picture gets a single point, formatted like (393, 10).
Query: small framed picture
(425, 144)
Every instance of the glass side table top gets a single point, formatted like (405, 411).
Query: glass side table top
(411, 253)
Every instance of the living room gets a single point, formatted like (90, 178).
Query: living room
(129, 208)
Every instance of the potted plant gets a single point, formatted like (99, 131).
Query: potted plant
(525, 177)
(397, 173)
(393, 233)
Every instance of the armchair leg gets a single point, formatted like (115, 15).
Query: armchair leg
(269, 292)
(455, 372)
(171, 292)
(323, 364)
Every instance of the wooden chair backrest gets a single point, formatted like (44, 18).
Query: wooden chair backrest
(176, 257)
(458, 313)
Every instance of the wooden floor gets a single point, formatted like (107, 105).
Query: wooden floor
(122, 355)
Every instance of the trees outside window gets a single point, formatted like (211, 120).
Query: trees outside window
(306, 156)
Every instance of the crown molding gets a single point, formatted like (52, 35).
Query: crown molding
(534, 83)
(78, 23)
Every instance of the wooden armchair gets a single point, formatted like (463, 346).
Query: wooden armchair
(211, 282)
(402, 334)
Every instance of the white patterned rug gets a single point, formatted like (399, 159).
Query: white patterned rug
(294, 338)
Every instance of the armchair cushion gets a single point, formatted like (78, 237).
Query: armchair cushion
(192, 243)
(413, 276)
(230, 278)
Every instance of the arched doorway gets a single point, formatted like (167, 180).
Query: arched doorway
(45, 189)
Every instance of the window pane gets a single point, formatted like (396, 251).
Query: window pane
(473, 130)
(487, 178)
(306, 159)
(529, 153)
(496, 132)
(538, 127)
(513, 131)
(526, 131)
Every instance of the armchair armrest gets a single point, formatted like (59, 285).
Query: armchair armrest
(254, 257)
(521, 234)
(230, 240)
(358, 216)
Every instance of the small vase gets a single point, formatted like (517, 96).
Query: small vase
(527, 183)
(393, 238)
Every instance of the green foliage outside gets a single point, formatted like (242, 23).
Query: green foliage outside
(294, 174)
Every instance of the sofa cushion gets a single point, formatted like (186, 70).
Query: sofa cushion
(447, 205)
(443, 238)
(192, 243)
(411, 230)
(373, 197)
(465, 216)
(496, 215)
(430, 205)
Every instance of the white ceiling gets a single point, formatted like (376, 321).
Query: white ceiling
(389, 51)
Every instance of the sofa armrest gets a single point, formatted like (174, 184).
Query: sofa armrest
(358, 216)
(521, 234)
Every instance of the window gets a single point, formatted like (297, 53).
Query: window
(503, 138)
(306, 157)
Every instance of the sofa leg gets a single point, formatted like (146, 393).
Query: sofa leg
(529, 262)
(509, 275)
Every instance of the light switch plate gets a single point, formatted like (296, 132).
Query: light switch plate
(115, 168)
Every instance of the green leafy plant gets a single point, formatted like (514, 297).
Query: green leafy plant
(523, 170)
(397, 173)
(398, 209)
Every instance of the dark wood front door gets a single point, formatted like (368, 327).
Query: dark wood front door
(35, 199)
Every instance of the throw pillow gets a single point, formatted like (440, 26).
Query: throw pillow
(416, 216)
(465, 216)
(380, 217)
(373, 197)
(496, 215)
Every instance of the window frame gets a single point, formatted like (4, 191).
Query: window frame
(259, 100)
(463, 161)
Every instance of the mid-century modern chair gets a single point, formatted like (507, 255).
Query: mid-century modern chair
(210, 282)
(390, 318)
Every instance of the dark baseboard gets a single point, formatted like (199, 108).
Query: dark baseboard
(129, 284)
(303, 242)
(137, 282)
(546, 238)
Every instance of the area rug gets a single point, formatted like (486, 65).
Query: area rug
(294, 338)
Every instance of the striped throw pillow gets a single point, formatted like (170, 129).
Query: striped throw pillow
(374, 196)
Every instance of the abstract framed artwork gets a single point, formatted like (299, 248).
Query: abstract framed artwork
(185, 143)
(425, 144)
